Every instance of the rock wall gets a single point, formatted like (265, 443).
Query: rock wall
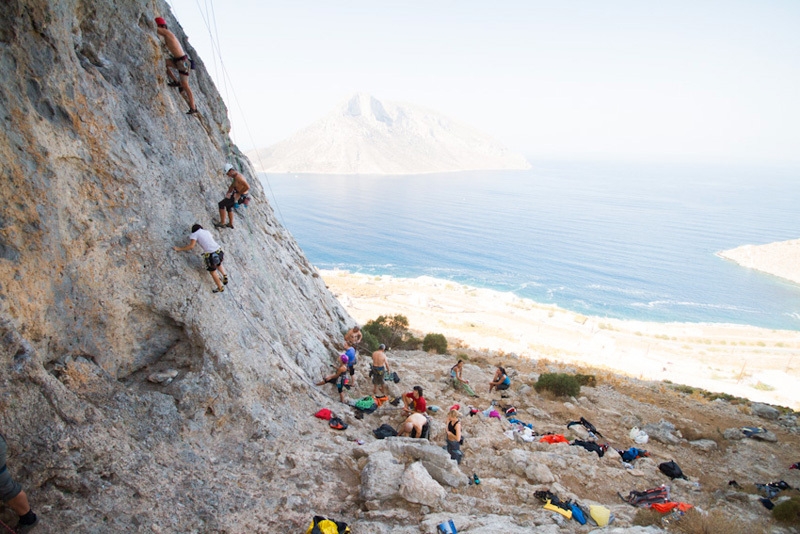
(102, 173)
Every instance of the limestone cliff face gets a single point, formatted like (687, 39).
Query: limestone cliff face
(102, 173)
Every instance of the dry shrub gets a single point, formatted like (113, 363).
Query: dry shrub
(714, 522)
(645, 517)
(788, 512)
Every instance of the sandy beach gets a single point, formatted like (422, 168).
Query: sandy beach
(757, 363)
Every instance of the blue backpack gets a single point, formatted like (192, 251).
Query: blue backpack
(351, 356)
(577, 513)
(448, 527)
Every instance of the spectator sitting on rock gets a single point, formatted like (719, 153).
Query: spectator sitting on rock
(413, 426)
(380, 366)
(11, 493)
(339, 378)
(413, 401)
(500, 381)
(458, 382)
(454, 435)
(212, 254)
(178, 61)
(236, 193)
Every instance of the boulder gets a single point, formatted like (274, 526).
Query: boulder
(381, 477)
(419, 487)
(765, 411)
(704, 444)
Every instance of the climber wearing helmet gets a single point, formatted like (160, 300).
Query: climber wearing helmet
(339, 378)
(177, 60)
(237, 193)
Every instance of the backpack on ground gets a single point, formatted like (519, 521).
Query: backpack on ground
(366, 404)
(448, 527)
(321, 525)
(324, 413)
(644, 499)
(591, 446)
(384, 431)
(337, 424)
(392, 376)
(672, 470)
(633, 453)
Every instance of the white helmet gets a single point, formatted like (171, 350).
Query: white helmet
(228, 167)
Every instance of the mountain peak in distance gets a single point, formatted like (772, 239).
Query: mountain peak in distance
(366, 136)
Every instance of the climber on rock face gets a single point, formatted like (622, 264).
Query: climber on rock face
(179, 61)
(237, 192)
(212, 254)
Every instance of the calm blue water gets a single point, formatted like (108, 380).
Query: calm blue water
(632, 241)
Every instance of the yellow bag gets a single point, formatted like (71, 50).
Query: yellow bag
(320, 525)
(600, 514)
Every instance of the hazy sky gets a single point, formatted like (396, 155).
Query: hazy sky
(677, 80)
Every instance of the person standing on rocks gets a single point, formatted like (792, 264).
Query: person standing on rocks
(179, 61)
(380, 366)
(454, 435)
(353, 337)
(414, 401)
(11, 493)
(339, 378)
(212, 255)
(236, 193)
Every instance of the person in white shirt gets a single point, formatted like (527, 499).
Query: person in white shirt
(212, 254)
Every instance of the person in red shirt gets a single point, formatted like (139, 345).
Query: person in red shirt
(414, 401)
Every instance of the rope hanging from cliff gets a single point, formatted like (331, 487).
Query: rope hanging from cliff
(226, 82)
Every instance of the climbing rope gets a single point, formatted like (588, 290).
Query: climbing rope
(209, 18)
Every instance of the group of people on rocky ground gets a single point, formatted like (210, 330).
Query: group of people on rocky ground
(415, 407)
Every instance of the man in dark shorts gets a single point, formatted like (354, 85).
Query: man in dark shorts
(179, 61)
(212, 255)
(237, 192)
(11, 493)
(380, 366)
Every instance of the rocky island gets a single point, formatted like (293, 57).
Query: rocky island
(367, 136)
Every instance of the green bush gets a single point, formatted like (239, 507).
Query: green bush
(411, 343)
(788, 511)
(435, 342)
(560, 384)
(369, 341)
(586, 380)
(391, 331)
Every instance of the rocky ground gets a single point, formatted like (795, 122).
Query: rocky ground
(167, 475)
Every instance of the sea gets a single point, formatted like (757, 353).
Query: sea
(618, 240)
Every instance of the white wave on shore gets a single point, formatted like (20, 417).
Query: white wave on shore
(746, 361)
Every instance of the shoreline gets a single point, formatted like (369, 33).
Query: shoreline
(745, 361)
(781, 259)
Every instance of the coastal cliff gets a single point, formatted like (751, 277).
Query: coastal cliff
(103, 173)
